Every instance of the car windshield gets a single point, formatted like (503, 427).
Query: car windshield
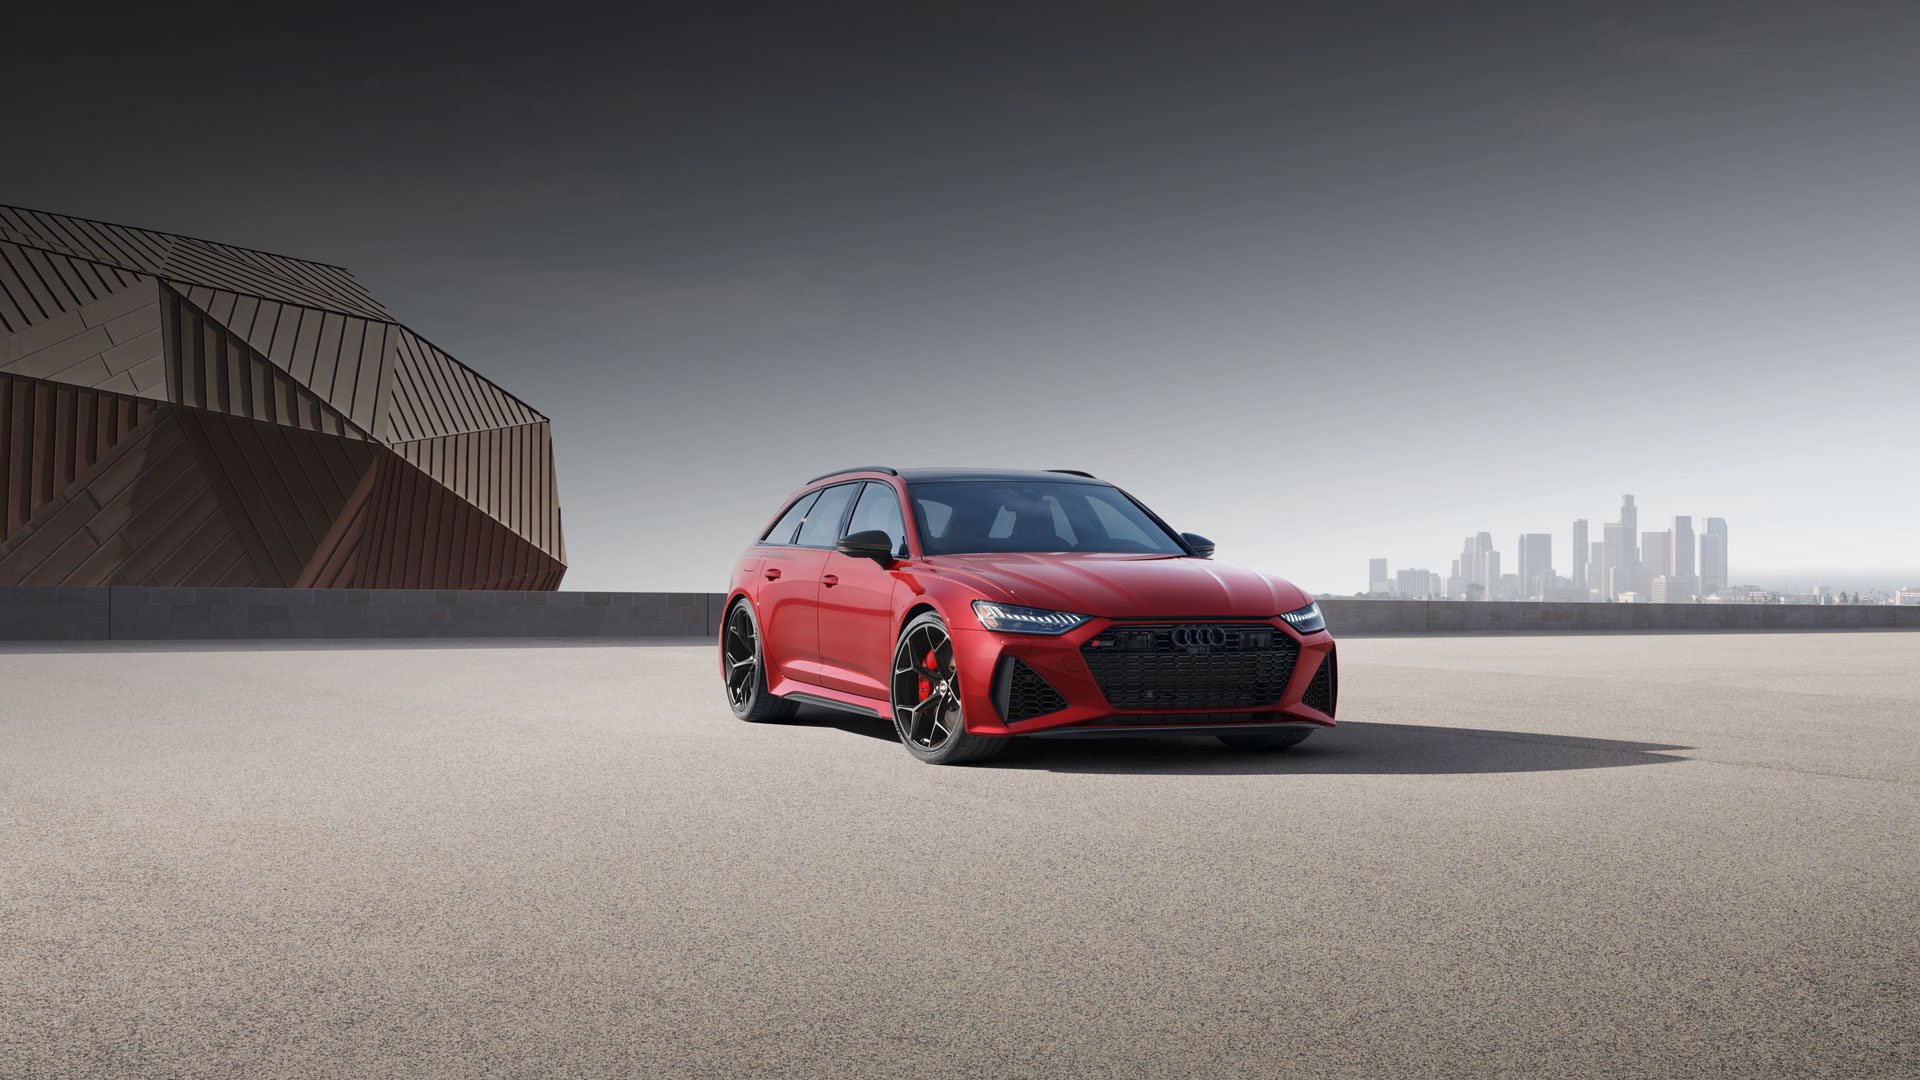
(985, 516)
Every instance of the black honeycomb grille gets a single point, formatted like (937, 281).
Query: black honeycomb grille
(1324, 689)
(1140, 667)
(1030, 695)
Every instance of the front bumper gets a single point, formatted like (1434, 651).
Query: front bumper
(983, 656)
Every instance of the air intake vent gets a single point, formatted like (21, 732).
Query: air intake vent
(1324, 688)
(1024, 694)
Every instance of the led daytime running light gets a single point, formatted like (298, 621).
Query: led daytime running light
(1013, 619)
(1307, 620)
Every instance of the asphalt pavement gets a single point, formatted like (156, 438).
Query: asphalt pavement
(1593, 856)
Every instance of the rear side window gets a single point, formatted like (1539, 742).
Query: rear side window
(879, 508)
(822, 525)
(782, 531)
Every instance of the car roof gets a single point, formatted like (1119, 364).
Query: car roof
(1029, 476)
(942, 474)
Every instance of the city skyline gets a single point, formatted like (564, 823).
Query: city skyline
(1682, 562)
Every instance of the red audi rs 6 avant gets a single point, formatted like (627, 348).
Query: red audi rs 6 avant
(970, 606)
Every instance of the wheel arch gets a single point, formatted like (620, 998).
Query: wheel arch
(914, 611)
(737, 596)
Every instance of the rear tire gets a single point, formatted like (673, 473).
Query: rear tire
(925, 697)
(743, 669)
(1267, 740)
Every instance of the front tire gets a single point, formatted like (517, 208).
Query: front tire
(925, 695)
(743, 669)
(1266, 740)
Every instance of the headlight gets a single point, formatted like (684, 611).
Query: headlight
(1307, 620)
(1012, 619)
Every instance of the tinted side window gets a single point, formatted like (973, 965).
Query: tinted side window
(782, 531)
(822, 526)
(879, 508)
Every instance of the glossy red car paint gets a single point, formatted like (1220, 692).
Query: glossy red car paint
(830, 622)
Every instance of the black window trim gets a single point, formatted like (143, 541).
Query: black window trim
(904, 510)
(765, 538)
(839, 529)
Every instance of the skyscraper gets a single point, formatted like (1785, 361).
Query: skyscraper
(1492, 572)
(1376, 575)
(1682, 547)
(1656, 554)
(1536, 561)
(1713, 557)
(1597, 568)
(1629, 534)
(1612, 547)
(1580, 554)
(1483, 547)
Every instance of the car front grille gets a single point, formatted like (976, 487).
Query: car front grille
(1191, 666)
(1324, 689)
(1028, 694)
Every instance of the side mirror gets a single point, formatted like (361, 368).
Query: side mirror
(869, 544)
(1201, 546)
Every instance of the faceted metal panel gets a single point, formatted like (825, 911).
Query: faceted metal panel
(144, 515)
(344, 360)
(177, 412)
(190, 261)
(208, 367)
(110, 343)
(419, 535)
(50, 436)
(434, 394)
(38, 286)
(507, 472)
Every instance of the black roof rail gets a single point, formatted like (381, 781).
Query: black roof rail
(1075, 472)
(855, 469)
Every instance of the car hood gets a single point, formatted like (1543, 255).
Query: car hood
(1125, 586)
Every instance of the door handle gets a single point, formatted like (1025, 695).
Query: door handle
(830, 580)
(773, 575)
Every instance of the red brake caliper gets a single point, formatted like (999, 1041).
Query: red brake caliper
(926, 688)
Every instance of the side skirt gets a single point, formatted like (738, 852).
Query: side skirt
(1163, 730)
(830, 703)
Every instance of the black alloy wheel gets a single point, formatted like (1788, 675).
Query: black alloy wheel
(925, 693)
(743, 669)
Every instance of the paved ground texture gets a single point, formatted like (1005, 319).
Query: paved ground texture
(1573, 856)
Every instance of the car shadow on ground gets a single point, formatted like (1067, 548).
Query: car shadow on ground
(1354, 748)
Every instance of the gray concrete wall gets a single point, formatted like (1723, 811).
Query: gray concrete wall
(139, 614)
(142, 614)
(1346, 615)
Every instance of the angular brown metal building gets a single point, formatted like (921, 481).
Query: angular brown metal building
(179, 412)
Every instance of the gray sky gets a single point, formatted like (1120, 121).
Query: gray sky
(1323, 285)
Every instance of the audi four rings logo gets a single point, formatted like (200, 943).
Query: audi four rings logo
(1187, 637)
